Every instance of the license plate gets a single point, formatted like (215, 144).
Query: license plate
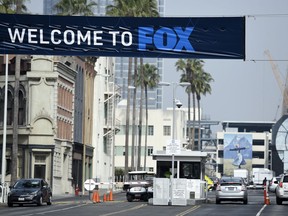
(231, 188)
(21, 199)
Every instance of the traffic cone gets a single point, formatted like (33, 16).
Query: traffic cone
(267, 200)
(111, 196)
(104, 197)
(265, 195)
(95, 197)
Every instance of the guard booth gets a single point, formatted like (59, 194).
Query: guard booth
(187, 185)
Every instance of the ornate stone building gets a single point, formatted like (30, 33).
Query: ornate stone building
(47, 123)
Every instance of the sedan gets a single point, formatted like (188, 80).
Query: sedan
(231, 189)
(30, 191)
(282, 190)
(273, 184)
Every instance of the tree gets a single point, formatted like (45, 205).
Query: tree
(189, 68)
(202, 87)
(13, 6)
(132, 8)
(149, 79)
(75, 7)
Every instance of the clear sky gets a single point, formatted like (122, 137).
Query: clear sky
(242, 90)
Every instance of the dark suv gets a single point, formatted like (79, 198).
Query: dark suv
(282, 190)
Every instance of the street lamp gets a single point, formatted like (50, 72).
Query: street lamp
(3, 169)
(178, 104)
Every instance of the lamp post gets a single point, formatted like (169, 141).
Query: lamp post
(3, 169)
(178, 104)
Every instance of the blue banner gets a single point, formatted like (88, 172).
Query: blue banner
(203, 37)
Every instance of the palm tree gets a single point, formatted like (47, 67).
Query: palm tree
(149, 79)
(132, 8)
(13, 6)
(189, 68)
(75, 7)
(202, 87)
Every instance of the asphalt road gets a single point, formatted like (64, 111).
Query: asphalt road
(82, 206)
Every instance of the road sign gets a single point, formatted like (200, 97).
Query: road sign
(90, 184)
(173, 147)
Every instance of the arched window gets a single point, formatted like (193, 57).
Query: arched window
(22, 106)
(2, 105)
(10, 105)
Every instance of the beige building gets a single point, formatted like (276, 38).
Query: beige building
(158, 135)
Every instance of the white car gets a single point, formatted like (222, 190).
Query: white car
(231, 189)
(273, 183)
(282, 190)
(139, 186)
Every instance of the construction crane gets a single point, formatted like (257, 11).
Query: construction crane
(281, 85)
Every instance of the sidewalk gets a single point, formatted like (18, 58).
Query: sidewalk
(66, 198)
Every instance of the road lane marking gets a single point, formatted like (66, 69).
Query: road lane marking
(125, 210)
(56, 210)
(259, 213)
(188, 211)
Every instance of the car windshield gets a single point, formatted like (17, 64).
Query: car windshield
(27, 184)
(225, 181)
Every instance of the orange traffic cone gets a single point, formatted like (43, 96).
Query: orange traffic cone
(104, 197)
(267, 202)
(95, 197)
(111, 196)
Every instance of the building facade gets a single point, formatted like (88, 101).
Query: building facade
(106, 123)
(159, 134)
(243, 145)
(49, 145)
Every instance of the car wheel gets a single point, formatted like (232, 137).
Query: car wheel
(129, 198)
(10, 204)
(218, 201)
(49, 202)
(40, 202)
(278, 201)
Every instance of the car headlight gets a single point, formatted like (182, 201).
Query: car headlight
(34, 193)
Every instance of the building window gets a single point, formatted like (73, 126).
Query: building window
(258, 154)
(151, 169)
(22, 105)
(220, 154)
(150, 151)
(258, 142)
(150, 130)
(221, 141)
(167, 130)
(10, 104)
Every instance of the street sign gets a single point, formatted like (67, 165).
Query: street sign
(173, 147)
(90, 184)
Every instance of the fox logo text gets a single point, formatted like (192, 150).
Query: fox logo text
(164, 38)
